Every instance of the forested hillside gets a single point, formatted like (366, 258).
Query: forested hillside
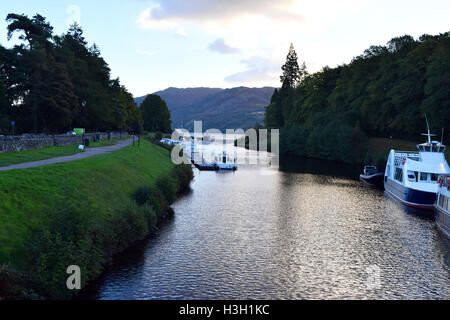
(52, 83)
(385, 92)
(221, 109)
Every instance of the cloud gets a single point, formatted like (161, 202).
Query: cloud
(181, 32)
(221, 47)
(259, 70)
(169, 14)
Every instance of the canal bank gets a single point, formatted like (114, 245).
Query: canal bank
(310, 230)
(80, 213)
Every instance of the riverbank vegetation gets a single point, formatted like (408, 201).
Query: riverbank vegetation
(53, 83)
(81, 213)
(383, 93)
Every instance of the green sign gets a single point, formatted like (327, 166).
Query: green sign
(78, 131)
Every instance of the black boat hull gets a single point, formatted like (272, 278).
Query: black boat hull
(375, 179)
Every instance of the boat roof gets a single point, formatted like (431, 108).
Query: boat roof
(432, 163)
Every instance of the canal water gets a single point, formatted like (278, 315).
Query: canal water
(308, 230)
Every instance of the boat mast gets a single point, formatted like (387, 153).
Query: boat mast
(428, 128)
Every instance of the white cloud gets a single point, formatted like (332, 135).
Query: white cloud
(220, 46)
(259, 70)
(167, 13)
(181, 32)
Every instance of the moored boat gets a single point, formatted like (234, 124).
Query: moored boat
(412, 177)
(442, 206)
(225, 163)
(371, 175)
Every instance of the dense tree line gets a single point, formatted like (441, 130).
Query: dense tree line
(51, 83)
(385, 92)
(156, 114)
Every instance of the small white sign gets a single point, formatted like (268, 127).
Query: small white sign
(81, 147)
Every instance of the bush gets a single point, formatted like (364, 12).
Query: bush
(184, 175)
(142, 195)
(168, 187)
(66, 241)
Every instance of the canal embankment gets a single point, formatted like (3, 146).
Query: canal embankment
(81, 213)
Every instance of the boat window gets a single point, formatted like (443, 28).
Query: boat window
(411, 177)
(434, 177)
(416, 174)
(399, 174)
(423, 176)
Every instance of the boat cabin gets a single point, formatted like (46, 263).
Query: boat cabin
(433, 146)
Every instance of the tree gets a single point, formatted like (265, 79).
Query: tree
(36, 31)
(292, 73)
(4, 104)
(156, 114)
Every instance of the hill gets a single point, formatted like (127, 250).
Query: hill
(218, 108)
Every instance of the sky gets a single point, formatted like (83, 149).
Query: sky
(155, 44)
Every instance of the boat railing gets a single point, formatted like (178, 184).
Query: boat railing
(401, 155)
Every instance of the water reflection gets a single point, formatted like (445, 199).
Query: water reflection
(311, 230)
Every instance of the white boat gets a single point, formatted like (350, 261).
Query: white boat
(412, 177)
(170, 142)
(442, 206)
(225, 163)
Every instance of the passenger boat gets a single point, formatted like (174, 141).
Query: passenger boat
(442, 206)
(225, 163)
(412, 177)
(372, 176)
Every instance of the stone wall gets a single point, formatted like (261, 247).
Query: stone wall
(29, 142)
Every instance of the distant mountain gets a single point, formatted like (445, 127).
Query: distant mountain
(218, 108)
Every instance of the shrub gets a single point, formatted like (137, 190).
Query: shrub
(66, 241)
(158, 136)
(142, 195)
(168, 187)
(184, 175)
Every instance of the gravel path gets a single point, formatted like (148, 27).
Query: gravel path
(82, 155)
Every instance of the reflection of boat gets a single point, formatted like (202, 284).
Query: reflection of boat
(372, 176)
(412, 177)
(442, 206)
(225, 163)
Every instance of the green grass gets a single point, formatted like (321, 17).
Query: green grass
(99, 184)
(11, 158)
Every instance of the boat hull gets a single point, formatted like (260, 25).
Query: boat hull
(375, 179)
(410, 197)
(205, 166)
(443, 221)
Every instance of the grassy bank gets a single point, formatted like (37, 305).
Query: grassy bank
(11, 158)
(82, 213)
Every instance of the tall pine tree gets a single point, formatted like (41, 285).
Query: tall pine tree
(291, 70)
